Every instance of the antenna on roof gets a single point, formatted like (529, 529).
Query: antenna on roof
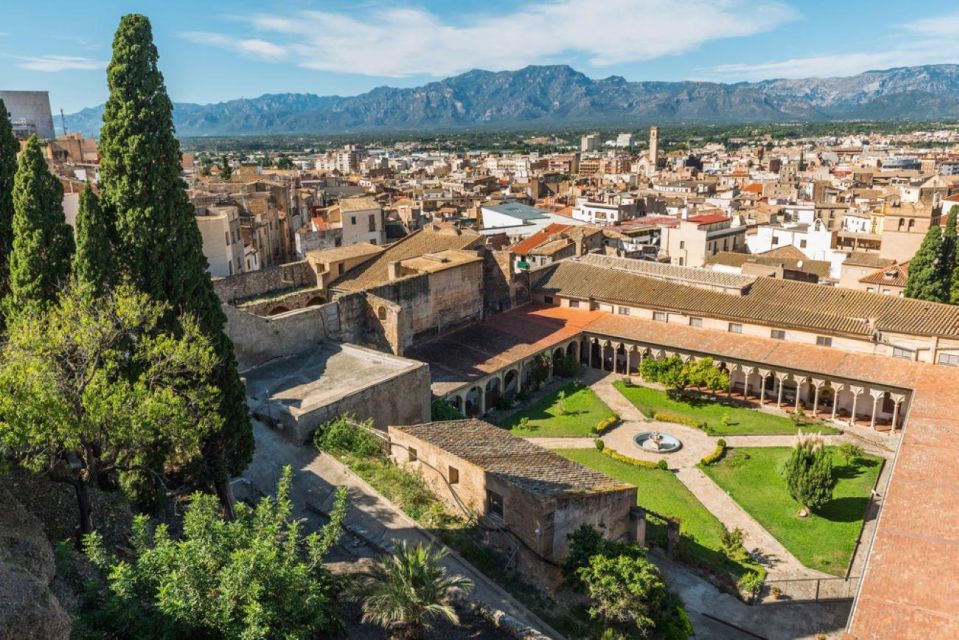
(63, 121)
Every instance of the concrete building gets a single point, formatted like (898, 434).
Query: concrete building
(589, 143)
(362, 220)
(222, 240)
(653, 145)
(29, 113)
(535, 495)
(604, 213)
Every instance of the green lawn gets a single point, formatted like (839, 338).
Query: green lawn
(662, 492)
(742, 421)
(584, 410)
(824, 540)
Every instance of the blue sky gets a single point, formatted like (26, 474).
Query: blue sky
(214, 51)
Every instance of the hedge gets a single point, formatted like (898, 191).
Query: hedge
(605, 424)
(615, 455)
(716, 454)
(677, 419)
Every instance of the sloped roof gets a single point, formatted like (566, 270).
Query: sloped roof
(516, 460)
(895, 275)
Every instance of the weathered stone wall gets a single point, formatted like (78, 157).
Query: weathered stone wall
(607, 512)
(258, 339)
(497, 280)
(284, 302)
(293, 275)
(28, 610)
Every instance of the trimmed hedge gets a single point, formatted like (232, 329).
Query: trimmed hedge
(663, 416)
(636, 462)
(606, 424)
(716, 455)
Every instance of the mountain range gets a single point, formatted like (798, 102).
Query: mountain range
(558, 95)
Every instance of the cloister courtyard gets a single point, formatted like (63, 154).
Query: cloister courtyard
(744, 489)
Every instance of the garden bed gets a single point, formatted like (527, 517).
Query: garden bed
(576, 416)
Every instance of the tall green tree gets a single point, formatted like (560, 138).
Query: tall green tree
(808, 472)
(953, 266)
(8, 169)
(93, 265)
(226, 171)
(42, 241)
(948, 259)
(94, 392)
(159, 247)
(926, 279)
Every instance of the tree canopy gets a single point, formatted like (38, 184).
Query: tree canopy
(95, 392)
(808, 472)
(93, 265)
(8, 169)
(927, 278)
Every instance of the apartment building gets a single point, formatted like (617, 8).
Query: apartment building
(692, 240)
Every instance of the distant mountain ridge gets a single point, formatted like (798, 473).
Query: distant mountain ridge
(559, 95)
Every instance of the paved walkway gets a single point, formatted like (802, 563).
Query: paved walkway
(316, 480)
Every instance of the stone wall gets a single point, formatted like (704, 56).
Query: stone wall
(282, 303)
(258, 339)
(497, 281)
(293, 275)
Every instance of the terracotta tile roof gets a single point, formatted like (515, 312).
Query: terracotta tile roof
(769, 301)
(514, 459)
(538, 238)
(335, 254)
(430, 239)
(708, 218)
(358, 203)
(819, 268)
(894, 275)
(863, 259)
(664, 271)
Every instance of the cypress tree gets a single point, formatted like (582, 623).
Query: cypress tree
(948, 255)
(93, 264)
(42, 241)
(926, 281)
(159, 247)
(8, 168)
(226, 171)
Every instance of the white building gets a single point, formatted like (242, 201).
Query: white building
(222, 241)
(604, 212)
(815, 240)
(589, 143)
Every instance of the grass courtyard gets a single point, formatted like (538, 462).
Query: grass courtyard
(741, 420)
(824, 540)
(662, 492)
(579, 413)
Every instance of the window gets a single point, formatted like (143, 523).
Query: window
(411, 453)
(735, 328)
(494, 503)
(548, 299)
(574, 304)
(353, 220)
(682, 244)
(681, 261)
(802, 244)
(339, 268)
(775, 240)
(905, 354)
(624, 311)
(454, 475)
(695, 322)
(777, 334)
(823, 341)
(227, 238)
(659, 316)
(949, 359)
(373, 222)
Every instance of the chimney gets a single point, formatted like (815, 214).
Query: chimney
(393, 270)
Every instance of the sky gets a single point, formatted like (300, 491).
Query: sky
(215, 51)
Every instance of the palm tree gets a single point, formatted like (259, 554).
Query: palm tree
(408, 589)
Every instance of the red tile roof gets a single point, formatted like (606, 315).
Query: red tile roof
(708, 218)
(530, 243)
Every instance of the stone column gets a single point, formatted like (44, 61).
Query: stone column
(763, 374)
(856, 392)
(779, 395)
(800, 381)
(730, 369)
(816, 383)
(876, 395)
(836, 388)
(897, 399)
(589, 345)
(642, 355)
(482, 400)
(747, 371)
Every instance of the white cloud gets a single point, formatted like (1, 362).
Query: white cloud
(252, 47)
(923, 41)
(412, 41)
(53, 64)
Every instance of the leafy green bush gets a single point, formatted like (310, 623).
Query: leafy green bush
(751, 583)
(851, 452)
(441, 409)
(566, 367)
(808, 472)
(605, 424)
(344, 435)
(676, 419)
(662, 465)
(600, 445)
(636, 462)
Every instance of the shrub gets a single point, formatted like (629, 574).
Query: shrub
(808, 472)
(600, 445)
(605, 424)
(441, 409)
(798, 418)
(676, 419)
(566, 367)
(624, 590)
(586, 542)
(524, 424)
(561, 402)
(725, 420)
(751, 583)
(662, 465)
(851, 452)
(732, 541)
(716, 455)
(344, 435)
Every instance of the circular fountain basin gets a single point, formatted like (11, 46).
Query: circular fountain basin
(657, 442)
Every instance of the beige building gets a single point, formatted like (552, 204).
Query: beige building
(698, 237)
(362, 220)
(222, 240)
(903, 229)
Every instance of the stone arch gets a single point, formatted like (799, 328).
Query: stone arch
(456, 402)
(316, 301)
(493, 392)
(472, 402)
(511, 384)
(572, 350)
(558, 353)
(596, 354)
(277, 310)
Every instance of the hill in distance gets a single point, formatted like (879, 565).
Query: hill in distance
(559, 95)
